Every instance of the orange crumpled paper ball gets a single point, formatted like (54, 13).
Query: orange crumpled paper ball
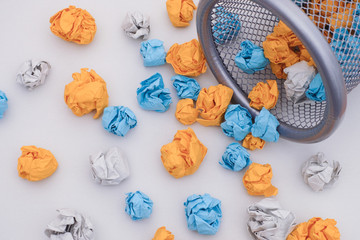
(180, 12)
(186, 113)
(343, 18)
(257, 180)
(184, 154)
(35, 164)
(74, 25)
(187, 59)
(212, 104)
(86, 93)
(163, 234)
(252, 143)
(315, 229)
(264, 95)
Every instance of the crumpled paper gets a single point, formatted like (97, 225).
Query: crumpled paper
(252, 143)
(180, 12)
(227, 25)
(136, 25)
(187, 59)
(316, 90)
(33, 73)
(153, 52)
(86, 93)
(356, 22)
(251, 58)
(35, 164)
(317, 229)
(235, 157)
(152, 95)
(238, 122)
(3, 103)
(319, 172)
(203, 213)
(264, 95)
(110, 167)
(70, 225)
(257, 180)
(163, 234)
(212, 104)
(343, 17)
(186, 87)
(269, 221)
(74, 25)
(138, 205)
(345, 46)
(186, 112)
(118, 120)
(265, 126)
(184, 154)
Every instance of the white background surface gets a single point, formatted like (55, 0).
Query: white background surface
(42, 118)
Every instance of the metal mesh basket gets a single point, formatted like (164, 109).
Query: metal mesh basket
(220, 37)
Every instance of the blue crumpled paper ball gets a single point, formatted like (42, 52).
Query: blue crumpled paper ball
(3, 103)
(356, 20)
(227, 27)
(265, 126)
(118, 120)
(138, 205)
(237, 123)
(316, 90)
(203, 213)
(235, 157)
(345, 47)
(152, 95)
(186, 87)
(153, 52)
(251, 58)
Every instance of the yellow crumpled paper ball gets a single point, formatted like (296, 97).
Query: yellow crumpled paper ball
(212, 104)
(264, 95)
(186, 113)
(35, 164)
(187, 59)
(163, 234)
(184, 154)
(74, 25)
(315, 229)
(252, 143)
(257, 180)
(86, 93)
(180, 12)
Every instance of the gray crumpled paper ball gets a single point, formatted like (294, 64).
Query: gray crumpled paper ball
(109, 168)
(319, 172)
(136, 25)
(33, 73)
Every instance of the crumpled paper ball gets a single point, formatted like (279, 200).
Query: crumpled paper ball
(86, 93)
(3, 103)
(343, 17)
(33, 73)
(184, 154)
(345, 47)
(269, 221)
(298, 79)
(136, 25)
(152, 95)
(203, 213)
(74, 25)
(110, 167)
(319, 172)
(265, 126)
(163, 234)
(118, 120)
(235, 157)
(252, 143)
(251, 58)
(70, 225)
(138, 205)
(264, 95)
(212, 104)
(257, 180)
(356, 22)
(35, 164)
(153, 52)
(316, 229)
(180, 12)
(186, 113)
(227, 26)
(186, 87)
(316, 90)
(238, 122)
(187, 59)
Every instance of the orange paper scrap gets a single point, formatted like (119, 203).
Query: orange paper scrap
(184, 154)
(180, 12)
(186, 112)
(35, 164)
(86, 93)
(163, 234)
(264, 95)
(257, 180)
(74, 25)
(252, 143)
